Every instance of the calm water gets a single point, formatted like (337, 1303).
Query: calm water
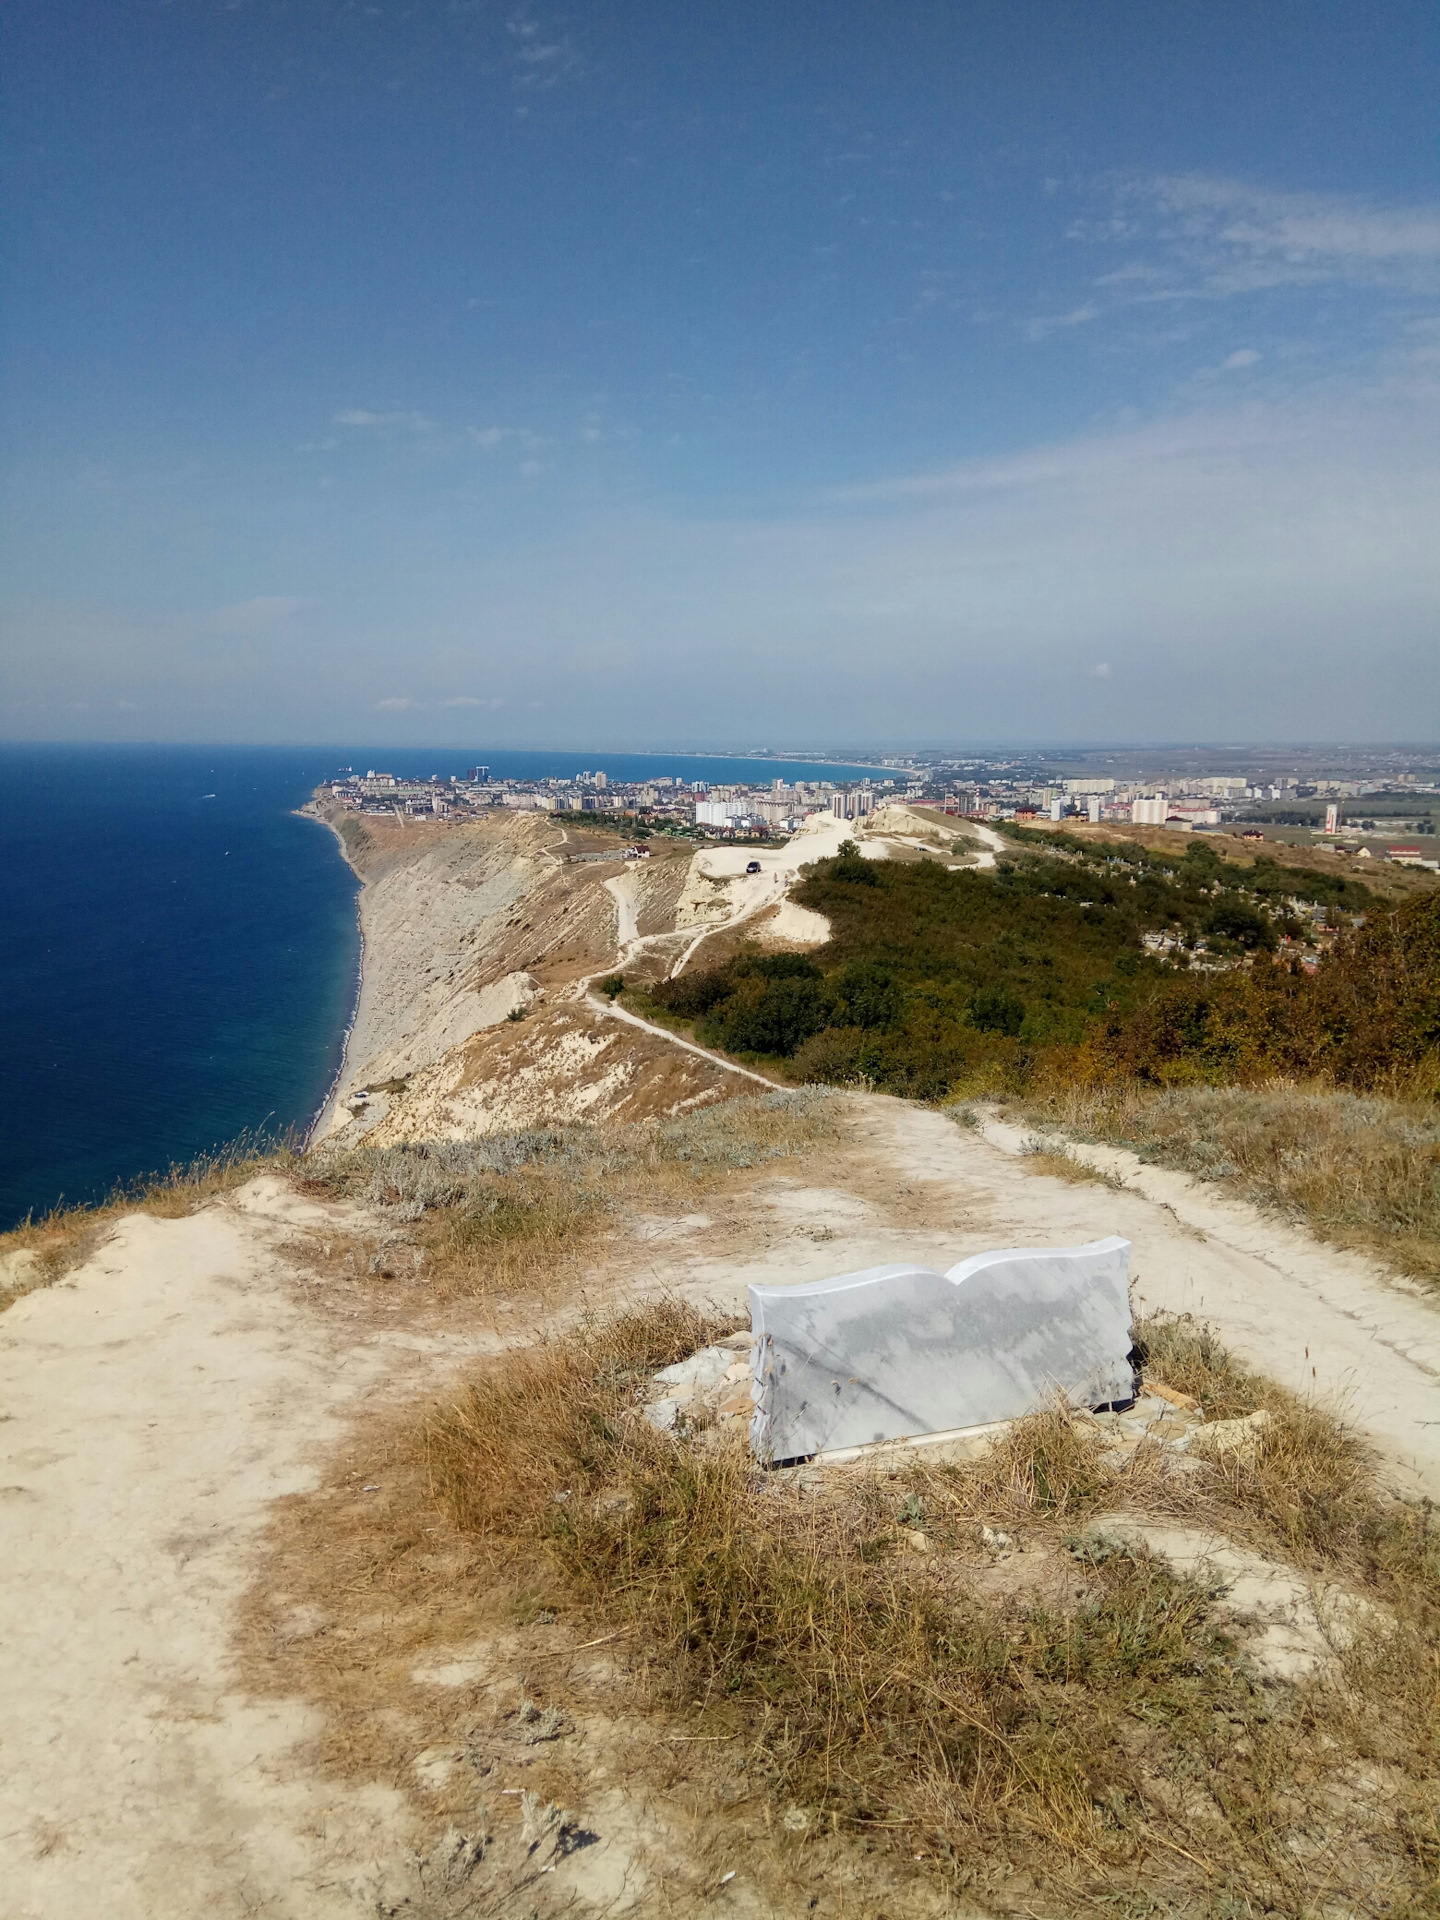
(178, 951)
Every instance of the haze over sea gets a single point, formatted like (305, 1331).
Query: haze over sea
(178, 958)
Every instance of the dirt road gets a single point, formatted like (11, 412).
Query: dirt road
(158, 1402)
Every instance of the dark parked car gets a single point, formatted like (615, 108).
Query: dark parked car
(753, 867)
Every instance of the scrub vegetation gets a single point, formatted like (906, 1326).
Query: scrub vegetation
(1361, 1171)
(863, 1674)
(519, 1213)
(1077, 964)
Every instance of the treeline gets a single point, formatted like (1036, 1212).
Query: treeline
(936, 982)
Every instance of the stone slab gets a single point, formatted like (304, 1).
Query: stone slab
(897, 1351)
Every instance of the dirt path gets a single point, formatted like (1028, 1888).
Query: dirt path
(1318, 1320)
(162, 1399)
(155, 1405)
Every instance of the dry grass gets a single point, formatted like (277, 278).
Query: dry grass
(520, 1215)
(1076, 1732)
(1043, 1156)
(1359, 1171)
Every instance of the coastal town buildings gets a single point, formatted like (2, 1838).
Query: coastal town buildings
(1348, 806)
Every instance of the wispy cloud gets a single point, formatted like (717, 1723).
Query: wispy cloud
(258, 615)
(1194, 236)
(1255, 237)
(403, 703)
(359, 417)
(1076, 317)
(1285, 549)
(491, 438)
(543, 55)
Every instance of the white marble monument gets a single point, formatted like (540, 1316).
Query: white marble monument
(897, 1352)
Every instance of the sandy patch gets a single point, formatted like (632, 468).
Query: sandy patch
(792, 925)
(156, 1403)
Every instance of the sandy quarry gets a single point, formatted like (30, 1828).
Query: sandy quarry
(158, 1403)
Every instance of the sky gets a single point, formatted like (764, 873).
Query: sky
(720, 374)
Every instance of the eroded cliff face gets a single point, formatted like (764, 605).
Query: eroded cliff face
(472, 1015)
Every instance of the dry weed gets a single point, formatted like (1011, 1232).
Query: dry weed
(1043, 1156)
(520, 1214)
(1360, 1171)
(872, 1684)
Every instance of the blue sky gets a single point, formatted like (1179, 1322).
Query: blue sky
(634, 374)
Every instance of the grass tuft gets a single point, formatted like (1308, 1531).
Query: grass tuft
(519, 1213)
(1361, 1171)
(1075, 1731)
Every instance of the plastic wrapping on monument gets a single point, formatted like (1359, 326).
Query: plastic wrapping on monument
(898, 1352)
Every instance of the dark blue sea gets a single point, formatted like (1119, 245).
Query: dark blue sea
(179, 951)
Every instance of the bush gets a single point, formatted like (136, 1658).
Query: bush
(1036, 973)
(836, 1055)
(997, 1010)
(770, 1015)
(1370, 1017)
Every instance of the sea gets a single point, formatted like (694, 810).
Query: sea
(180, 949)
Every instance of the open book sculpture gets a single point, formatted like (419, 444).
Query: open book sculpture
(896, 1352)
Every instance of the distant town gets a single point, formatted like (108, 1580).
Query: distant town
(1386, 809)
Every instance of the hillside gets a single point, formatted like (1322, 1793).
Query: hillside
(1072, 961)
(390, 1603)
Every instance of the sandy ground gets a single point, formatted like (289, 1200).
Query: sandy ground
(155, 1404)
(159, 1401)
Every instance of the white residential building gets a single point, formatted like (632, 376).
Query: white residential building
(718, 813)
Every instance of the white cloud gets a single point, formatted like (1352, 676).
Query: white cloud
(469, 700)
(1077, 317)
(253, 616)
(395, 704)
(1244, 357)
(1100, 670)
(1219, 237)
(531, 469)
(358, 417)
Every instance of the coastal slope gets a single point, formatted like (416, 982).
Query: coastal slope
(481, 940)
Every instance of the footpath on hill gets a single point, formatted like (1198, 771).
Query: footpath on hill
(162, 1399)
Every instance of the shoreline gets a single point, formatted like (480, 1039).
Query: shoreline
(321, 1113)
